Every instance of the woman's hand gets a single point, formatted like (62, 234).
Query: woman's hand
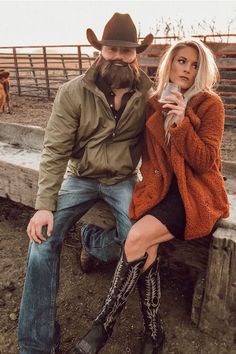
(176, 106)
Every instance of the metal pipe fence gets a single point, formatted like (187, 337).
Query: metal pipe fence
(39, 70)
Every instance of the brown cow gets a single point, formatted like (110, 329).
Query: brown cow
(4, 91)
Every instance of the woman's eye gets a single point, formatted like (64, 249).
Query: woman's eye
(195, 66)
(181, 61)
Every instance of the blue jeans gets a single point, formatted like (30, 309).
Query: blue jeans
(38, 304)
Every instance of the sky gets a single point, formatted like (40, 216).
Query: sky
(65, 22)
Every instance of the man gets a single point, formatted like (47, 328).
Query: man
(95, 132)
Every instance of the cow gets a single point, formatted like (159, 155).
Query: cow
(4, 91)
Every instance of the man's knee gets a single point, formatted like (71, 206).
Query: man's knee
(45, 249)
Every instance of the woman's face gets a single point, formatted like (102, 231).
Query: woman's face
(184, 68)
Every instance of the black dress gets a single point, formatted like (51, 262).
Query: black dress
(170, 211)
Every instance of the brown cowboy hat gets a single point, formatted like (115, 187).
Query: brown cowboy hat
(4, 74)
(119, 31)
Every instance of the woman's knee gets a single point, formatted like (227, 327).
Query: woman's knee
(135, 239)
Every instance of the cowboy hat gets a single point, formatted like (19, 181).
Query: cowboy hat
(119, 31)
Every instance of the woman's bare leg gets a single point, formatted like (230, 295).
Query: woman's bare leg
(145, 236)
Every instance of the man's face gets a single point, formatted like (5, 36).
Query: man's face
(117, 66)
(127, 55)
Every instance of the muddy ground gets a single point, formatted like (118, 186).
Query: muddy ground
(81, 295)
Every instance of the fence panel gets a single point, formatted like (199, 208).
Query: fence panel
(40, 70)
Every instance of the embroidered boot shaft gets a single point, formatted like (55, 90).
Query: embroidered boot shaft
(150, 296)
(123, 283)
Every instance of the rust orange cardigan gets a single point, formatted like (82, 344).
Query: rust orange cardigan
(193, 155)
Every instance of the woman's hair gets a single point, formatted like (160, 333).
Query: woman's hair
(207, 73)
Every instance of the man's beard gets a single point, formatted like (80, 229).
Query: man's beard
(118, 74)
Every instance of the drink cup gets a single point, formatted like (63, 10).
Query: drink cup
(167, 91)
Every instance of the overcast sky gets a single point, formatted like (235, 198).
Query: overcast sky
(65, 22)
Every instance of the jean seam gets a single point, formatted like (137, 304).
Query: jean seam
(53, 299)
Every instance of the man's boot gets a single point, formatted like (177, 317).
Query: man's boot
(150, 295)
(124, 281)
(87, 262)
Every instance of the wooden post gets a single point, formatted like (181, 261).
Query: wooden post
(217, 315)
(80, 60)
(33, 71)
(64, 67)
(46, 71)
(17, 71)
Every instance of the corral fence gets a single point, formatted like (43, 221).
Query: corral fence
(39, 70)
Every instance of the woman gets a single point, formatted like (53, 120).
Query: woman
(182, 192)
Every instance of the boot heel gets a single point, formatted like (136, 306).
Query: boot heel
(149, 346)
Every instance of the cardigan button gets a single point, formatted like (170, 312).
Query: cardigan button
(157, 172)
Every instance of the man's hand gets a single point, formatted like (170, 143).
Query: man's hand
(34, 229)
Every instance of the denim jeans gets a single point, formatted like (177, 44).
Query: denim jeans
(38, 304)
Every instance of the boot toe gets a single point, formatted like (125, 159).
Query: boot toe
(93, 341)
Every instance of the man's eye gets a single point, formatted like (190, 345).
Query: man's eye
(126, 50)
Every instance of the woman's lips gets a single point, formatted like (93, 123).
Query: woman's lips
(184, 78)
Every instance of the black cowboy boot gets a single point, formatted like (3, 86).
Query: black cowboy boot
(150, 295)
(123, 283)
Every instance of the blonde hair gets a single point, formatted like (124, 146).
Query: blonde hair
(207, 74)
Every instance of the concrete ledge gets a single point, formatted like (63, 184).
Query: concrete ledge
(28, 137)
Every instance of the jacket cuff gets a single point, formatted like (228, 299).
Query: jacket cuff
(180, 129)
(45, 204)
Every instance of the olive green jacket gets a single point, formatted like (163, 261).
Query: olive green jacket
(82, 136)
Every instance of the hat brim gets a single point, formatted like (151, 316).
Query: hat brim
(98, 44)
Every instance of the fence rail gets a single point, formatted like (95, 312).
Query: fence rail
(36, 71)
(40, 70)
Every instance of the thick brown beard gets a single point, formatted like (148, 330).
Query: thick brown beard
(118, 76)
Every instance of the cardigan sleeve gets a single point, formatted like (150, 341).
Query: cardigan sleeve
(200, 148)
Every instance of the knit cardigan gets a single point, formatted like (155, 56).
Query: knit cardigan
(193, 155)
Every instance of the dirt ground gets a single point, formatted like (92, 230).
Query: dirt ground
(81, 295)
